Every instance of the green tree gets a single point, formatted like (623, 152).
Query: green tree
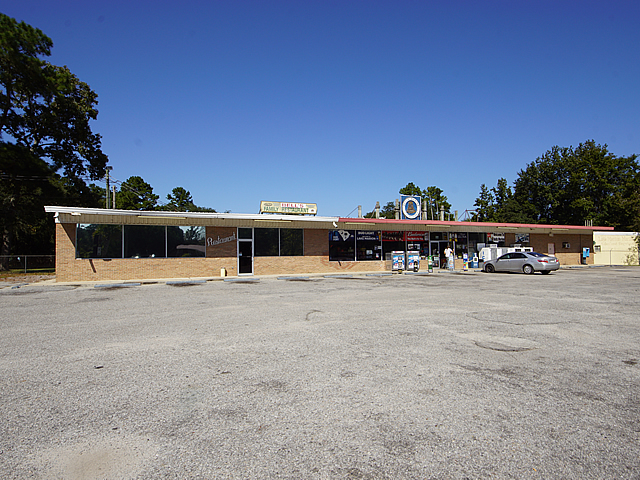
(485, 205)
(588, 183)
(499, 205)
(435, 200)
(45, 112)
(388, 211)
(136, 194)
(180, 200)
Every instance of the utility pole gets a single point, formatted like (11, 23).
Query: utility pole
(107, 190)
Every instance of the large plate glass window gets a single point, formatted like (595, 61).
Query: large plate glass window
(368, 246)
(245, 233)
(461, 244)
(273, 242)
(391, 242)
(474, 239)
(98, 241)
(144, 241)
(342, 245)
(291, 242)
(266, 242)
(185, 241)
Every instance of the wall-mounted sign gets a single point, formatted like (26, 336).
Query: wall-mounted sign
(410, 207)
(292, 208)
(417, 236)
(495, 237)
(522, 238)
(340, 235)
(362, 236)
(392, 236)
(212, 242)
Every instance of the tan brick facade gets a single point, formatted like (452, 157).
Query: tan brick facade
(69, 268)
(222, 252)
(567, 256)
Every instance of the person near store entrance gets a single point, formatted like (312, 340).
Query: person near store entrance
(448, 253)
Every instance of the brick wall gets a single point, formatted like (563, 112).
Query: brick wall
(567, 256)
(69, 268)
(221, 251)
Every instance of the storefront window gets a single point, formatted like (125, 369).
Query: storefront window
(291, 242)
(98, 241)
(144, 241)
(185, 241)
(391, 242)
(245, 233)
(495, 238)
(418, 242)
(461, 244)
(474, 239)
(342, 245)
(266, 242)
(273, 242)
(368, 246)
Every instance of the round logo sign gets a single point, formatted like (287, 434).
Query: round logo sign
(411, 208)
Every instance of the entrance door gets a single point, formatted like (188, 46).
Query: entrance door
(443, 260)
(245, 257)
(435, 251)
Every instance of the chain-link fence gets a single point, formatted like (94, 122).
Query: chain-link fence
(28, 263)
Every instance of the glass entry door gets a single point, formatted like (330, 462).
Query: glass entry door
(435, 251)
(245, 257)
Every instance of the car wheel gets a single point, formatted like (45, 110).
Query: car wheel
(546, 272)
(528, 269)
(489, 268)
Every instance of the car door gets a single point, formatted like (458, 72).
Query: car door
(502, 263)
(517, 261)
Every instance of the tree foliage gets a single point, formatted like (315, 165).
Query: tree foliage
(46, 108)
(45, 113)
(180, 200)
(499, 205)
(136, 194)
(588, 183)
(568, 186)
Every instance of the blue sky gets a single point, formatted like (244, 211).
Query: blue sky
(342, 103)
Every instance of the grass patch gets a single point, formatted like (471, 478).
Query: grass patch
(12, 272)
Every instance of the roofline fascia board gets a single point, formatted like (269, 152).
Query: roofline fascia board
(336, 222)
(79, 211)
(484, 225)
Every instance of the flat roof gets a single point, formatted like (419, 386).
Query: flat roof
(143, 217)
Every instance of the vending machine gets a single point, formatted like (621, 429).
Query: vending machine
(397, 261)
(413, 261)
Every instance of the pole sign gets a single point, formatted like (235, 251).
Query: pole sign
(410, 207)
(291, 208)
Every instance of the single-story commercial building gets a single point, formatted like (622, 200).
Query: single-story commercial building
(105, 244)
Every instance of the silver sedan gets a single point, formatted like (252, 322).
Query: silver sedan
(526, 262)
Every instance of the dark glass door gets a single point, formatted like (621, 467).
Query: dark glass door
(245, 257)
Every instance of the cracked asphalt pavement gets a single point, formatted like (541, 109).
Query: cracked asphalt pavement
(404, 376)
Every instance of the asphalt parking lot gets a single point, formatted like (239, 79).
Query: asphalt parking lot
(366, 377)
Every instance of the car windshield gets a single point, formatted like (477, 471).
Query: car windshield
(536, 254)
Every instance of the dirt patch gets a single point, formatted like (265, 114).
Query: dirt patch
(26, 278)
